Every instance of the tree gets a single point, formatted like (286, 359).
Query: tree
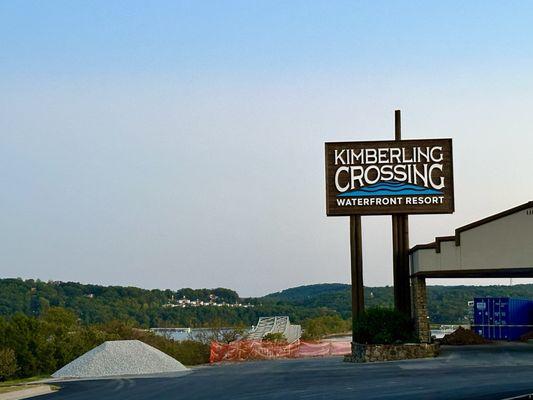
(8, 363)
(317, 328)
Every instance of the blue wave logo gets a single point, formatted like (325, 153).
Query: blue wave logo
(391, 188)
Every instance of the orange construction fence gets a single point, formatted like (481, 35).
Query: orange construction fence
(258, 350)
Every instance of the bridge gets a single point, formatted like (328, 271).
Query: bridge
(282, 325)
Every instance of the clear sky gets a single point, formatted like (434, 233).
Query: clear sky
(174, 144)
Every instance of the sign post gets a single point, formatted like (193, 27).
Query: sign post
(396, 177)
(356, 259)
(400, 246)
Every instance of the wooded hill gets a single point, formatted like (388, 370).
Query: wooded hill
(99, 304)
(146, 308)
(446, 304)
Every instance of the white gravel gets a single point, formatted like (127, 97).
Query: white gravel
(120, 357)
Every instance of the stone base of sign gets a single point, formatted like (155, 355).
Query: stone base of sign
(390, 352)
(420, 309)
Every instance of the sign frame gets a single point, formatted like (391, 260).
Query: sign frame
(447, 207)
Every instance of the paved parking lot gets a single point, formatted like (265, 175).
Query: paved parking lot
(470, 372)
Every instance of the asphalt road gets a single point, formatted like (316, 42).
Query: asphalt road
(471, 372)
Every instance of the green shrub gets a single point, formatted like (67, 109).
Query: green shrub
(276, 337)
(8, 364)
(41, 345)
(190, 352)
(383, 326)
(317, 328)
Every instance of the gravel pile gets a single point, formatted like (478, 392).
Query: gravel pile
(527, 336)
(462, 336)
(120, 357)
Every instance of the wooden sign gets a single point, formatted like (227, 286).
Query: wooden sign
(389, 177)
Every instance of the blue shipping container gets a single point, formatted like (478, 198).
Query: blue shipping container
(502, 318)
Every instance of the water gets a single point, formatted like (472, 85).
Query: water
(443, 331)
(198, 334)
(201, 334)
(438, 333)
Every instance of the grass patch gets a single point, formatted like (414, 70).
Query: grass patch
(13, 382)
(22, 384)
(7, 389)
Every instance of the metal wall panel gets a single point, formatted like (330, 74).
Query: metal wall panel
(502, 318)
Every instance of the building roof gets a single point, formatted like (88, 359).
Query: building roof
(457, 237)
